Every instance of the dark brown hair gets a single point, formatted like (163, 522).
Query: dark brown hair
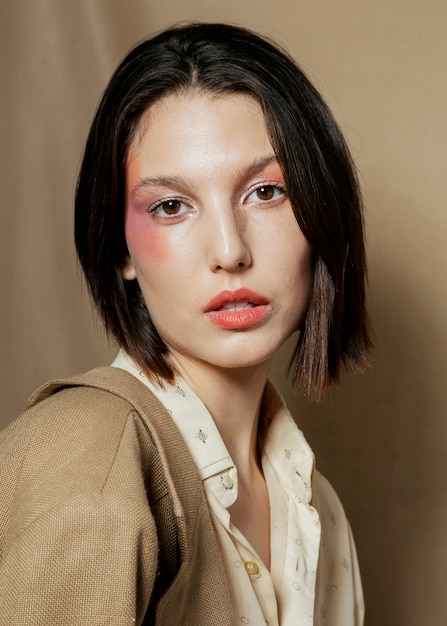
(319, 174)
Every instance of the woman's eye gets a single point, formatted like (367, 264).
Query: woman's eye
(169, 207)
(265, 193)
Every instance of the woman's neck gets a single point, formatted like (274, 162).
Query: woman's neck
(233, 398)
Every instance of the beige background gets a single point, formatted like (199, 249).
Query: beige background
(381, 65)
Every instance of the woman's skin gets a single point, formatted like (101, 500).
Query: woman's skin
(223, 266)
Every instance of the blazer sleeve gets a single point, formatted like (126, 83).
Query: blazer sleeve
(91, 560)
(78, 541)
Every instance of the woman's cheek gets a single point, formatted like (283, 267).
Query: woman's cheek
(145, 240)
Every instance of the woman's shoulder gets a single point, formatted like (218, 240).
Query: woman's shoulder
(327, 502)
(81, 427)
(336, 536)
(75, 439)
(95, 405)
(65, 413)
(71, 432)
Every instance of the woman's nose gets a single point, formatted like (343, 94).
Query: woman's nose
(228, 250)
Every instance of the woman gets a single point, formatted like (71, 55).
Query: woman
(217, 212)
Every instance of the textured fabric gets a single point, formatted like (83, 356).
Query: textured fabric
(84, 478)
(288, 592)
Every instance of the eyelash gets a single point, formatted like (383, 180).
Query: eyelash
(160, 204)
(276, 187)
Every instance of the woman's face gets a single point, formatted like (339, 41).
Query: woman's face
(222, 264)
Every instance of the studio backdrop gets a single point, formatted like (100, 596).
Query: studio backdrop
(381, 438)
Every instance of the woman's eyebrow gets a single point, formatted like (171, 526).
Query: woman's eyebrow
(256, 166)
(158, 181)
(260, 163)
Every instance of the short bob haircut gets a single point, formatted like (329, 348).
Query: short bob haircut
(319, 175)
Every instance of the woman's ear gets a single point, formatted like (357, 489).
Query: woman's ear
(128, 269)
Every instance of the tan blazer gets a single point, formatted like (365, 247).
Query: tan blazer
(102, 513)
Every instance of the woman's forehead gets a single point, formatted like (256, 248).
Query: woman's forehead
(192, 100)
(197, 139)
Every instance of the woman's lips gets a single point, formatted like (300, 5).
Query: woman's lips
(238, 309)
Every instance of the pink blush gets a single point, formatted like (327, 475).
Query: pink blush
(144, 239)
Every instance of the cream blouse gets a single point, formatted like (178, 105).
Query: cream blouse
(314, 577)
